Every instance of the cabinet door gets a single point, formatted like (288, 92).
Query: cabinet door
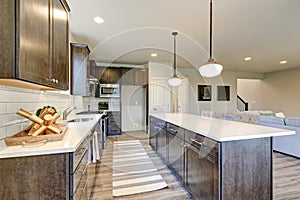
(114, 75)
(153, 135)
(60, 44)
(176, 155)
(93, 69)
(111, 75)
(202, 174)
(33, 46)
(79, 59)
(162, 145)
(128, 76)
(141, 76)
(104, 75)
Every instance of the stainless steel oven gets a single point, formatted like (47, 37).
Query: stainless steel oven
(109, 90)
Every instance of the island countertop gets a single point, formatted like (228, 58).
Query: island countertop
(219, 129)
(75, 134)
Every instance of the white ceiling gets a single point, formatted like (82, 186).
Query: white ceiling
(266, 30)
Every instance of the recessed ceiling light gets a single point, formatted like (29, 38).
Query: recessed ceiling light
(283, 62)
(247, 58)
(98, 20)
(153, 54)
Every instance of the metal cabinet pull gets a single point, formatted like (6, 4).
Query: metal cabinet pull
(196, 141)
(173, 130)
(185, 168)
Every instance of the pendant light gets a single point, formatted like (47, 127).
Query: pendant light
(174, 80)
(211, 68)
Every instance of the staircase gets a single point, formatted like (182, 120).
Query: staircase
(242, 105)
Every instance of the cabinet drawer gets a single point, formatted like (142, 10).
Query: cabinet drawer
(80, 172)
(205, 144)
(79, 154)
(81, 189)
(179, 132)
(158, 122)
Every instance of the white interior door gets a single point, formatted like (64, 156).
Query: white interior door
(160, 95)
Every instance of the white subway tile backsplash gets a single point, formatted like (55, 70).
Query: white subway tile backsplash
(10, 96)
(14, 107)
(31, 97)
(13, 129)
(12, 99)
(2, 108)
(2, 132)
(11, 88)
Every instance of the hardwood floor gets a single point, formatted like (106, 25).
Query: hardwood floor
(100, 175)
(286, 176)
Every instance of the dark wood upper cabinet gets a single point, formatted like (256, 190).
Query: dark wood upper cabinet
(141, 76)
(79, 68)
(128, 76)
(121, 75)
(110, 75)
(32, 52)
(134, 76)
(34, 42)
(60, 45)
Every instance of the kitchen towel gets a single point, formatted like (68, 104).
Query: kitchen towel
(133, 171)
(93, 149)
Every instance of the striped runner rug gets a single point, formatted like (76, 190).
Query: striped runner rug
(133, 171)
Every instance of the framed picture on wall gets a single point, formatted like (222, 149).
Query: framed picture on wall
(223, 93)
(204, 92)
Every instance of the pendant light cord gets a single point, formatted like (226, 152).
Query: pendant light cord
(210, 34)
(174, 63)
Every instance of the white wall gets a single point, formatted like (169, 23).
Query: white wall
(277, 91)
(249, 90)
(133, 108)
(12, 99)
(227, 78)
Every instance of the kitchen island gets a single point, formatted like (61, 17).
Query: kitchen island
(51, 170)
(215, 158)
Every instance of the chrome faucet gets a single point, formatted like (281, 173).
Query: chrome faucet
(67, 111)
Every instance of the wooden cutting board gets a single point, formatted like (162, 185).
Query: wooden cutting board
(22, 138)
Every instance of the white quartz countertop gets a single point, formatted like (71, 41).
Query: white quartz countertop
(75, 134)
(219, 129)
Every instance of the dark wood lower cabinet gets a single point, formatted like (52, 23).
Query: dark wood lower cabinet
(53, 176)
(214, 170)
(176, 155)
(247, 169)
(35, 177)
(201, 174)
(152, 137)
(162, 145)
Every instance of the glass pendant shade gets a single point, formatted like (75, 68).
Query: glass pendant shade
(174, 81)
(211, 69)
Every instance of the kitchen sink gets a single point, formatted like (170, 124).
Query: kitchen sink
(89, 112)
(80, 120)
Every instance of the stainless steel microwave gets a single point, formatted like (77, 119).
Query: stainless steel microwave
(109, 90)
